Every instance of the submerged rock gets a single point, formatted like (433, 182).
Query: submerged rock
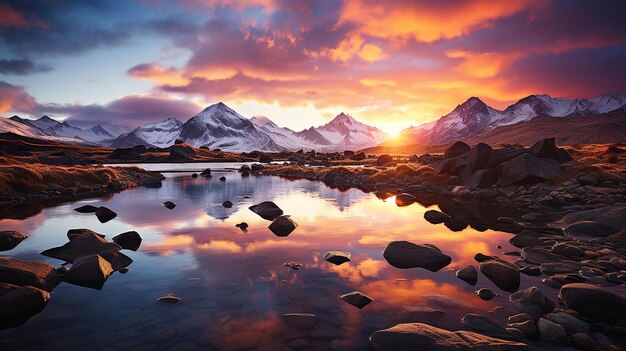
(283, 226)
(357, 299)
(468, 274)
(89, 271)
(169, 205)
(404, 254)
(21, 303)
(337, 257)
(436, 217)
(23, 273)
(105, 214)
(86, 209)
(503, 275)
(267, 210)
(128, 240)
(9, 239)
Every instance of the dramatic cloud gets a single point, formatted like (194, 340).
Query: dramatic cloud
(21, 67)
(15, 98)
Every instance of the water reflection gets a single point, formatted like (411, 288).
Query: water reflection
(233, 285)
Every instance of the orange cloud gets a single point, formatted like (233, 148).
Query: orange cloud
(158, 74)
(481, 65)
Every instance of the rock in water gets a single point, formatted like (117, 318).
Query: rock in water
(86, 209)
(503, 275)
(128, 240)
(89, 271)
(404, 254)
(419, 336)
(404, 200)
(304, 321)
(105, 214)
(468, 274)
(206, 173)
(265, 158)
(227, 204)
(525, 238)
(267, 210)
(596, 303)
(153, 182)
(22, 273)
(484, 325)
(169, 205)
(21, 303)
(337, 257)
(90, 244)
(75, 233)
(222, 179)
(532, 301)
(485, 294)
(357, 299)
(552, 332)
(435, 217)
(283, 226)
(169, 298)
(243, 226)
(9, 239)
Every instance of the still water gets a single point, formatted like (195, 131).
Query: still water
(233, 285)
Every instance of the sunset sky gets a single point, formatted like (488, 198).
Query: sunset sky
(389, 63)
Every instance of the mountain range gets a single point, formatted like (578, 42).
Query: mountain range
(46, 126)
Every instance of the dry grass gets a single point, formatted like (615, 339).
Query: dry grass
(605, 161)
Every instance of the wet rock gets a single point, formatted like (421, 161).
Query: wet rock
(267, 210)
(86, 209)
(337, 257)
(551, 332)
(560, 267)
(479, 257)
(89, 271)
(357, 299)
(485, 294)
(222, 179)
(20, 304)
(468, 274)
(304, 321)
(588, 230)
(283, 226)
(520, 317)
(227, 204)
(23, 273)
(383, 160)
(435, 217)
(571, 324)
(532, 301)
(525, 238)
(538, 256)
(206, 173)
(9, 239)
(565, 249)
(75, 233)
(169, 205)
(243, 226)
(89, 244)
(128, 240)
(419, 336)
(105, 214)
(169, 298)
(484, 325)
(457, 149)
(403, 254)
(153, 182)
(503, 275)
(531, 271)
(194, 175)
(528, 169)
(404, 199)
(594, 302)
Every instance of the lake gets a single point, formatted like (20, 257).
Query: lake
(233, 285)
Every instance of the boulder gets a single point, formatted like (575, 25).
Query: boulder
(503, 275)
(485, 294)
(479, 156)
(128, 240)
(455, 166)
(257, 167)
(528, 169)
(567, 250)
(105, 214)
(551, 332)
(359, 157)
(86, 209)
(571, 324)
(180, 152)
(403, 254)
(383, 160)
(90, 244)
(337, 257)
(586, 230)
(304, 321)
(357, 299)
(267, 210)
(594, 302)
(152, 182)
(9, 239)
(75, 233)
(20, 304)
(499, 156)
(547, 148)
(468, 274)
(419, 336)
(538, 256)
(484, 325)
(436, 217)
(283, 226)
(89, 271)
(457, 149)
(525, 238)
(404, 200)
(482, 178)
(532, 301)
(206, 173)
(22, 273)
(265, 158)
(527, 327)
(169, 205)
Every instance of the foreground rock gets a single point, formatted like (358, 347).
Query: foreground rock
(86, 245)
(404, 254)
(357, 299)
(89, 271)
(24, 273)
(21, 303)
(105, 214)
(404, 200)
(419, 336)
(10, 239)
(594, 302)
(484, 325)
(468, 274)
(283, 226)
(337, 257)
(267, 210)
(75, 233)
(435, 217)
(128, 240)
(532, 301)
(528, 169)
(503, 275)
(86, 209)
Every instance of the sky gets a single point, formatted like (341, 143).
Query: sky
(388, 63)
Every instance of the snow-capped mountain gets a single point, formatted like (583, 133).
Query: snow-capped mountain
(51, 127)
(13, 125)
(160, 134)
(474, 117)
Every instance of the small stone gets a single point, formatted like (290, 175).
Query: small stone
(357, 299)
(485, 294)
(86, 209)
(222, 179)
(243, 226)
(283, 226)
(169, 205)
(337, 257)
(105, 214)
(227, 204)
(468, 274)
(293, 265)
(404, 254)
(436, 217)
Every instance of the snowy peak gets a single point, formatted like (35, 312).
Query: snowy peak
(263, 122)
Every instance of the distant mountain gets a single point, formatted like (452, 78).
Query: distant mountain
(161, 134)
(473, 117)
(51, 127)
(13, 125)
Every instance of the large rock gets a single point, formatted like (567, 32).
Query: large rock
(75, 233)
(21, 303)
(538, 256)
(283, 226)
(454, 166)
(359, 157)
(86, 209)
(468, 274)
(419, 336)
(265, 159)
(337, 257)
(357, 299)
(525, 238)
(267, 210)
(586, 230)
(23, 273)
(383, 160)
(552, 332)
(571, 324)
(152, 182)
(89, 244)
(482, 178)
(547, 148)
(105, 214)
(503, 275)
(484, 325)
(10, 239)
(89, 271)
(594, 302)
(499, 156)
(128, 240)
(457, 149)
(403, 254)
(528, 169)
(479, 156)
(404, 199)
(180, 152)
(436, 217)
(532, 301)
